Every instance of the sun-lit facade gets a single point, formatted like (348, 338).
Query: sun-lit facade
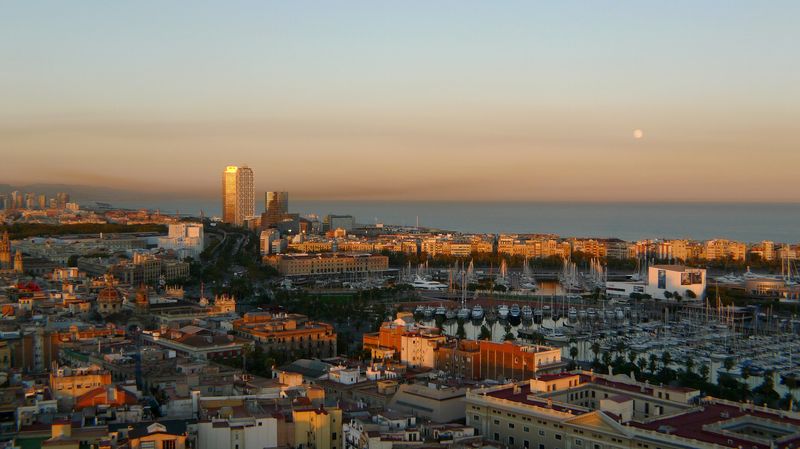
(238, 195)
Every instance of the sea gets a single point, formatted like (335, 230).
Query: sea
(748, 222)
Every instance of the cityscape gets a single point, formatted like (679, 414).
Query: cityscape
(344, 249)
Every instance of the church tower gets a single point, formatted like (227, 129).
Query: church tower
(5, 251)
(18, 262)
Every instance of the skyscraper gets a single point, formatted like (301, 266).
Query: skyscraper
(276, 207)
(238, 199)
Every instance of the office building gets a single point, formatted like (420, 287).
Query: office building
(276, 207)
(238, 200)
(333, 222)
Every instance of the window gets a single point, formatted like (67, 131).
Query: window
(477, 418)
(578, 442)
(511, 440)
(333, 436)
(496, 437)
(497, 421)
(541, 433)
(168, 444)
(526, 429)
(525, 444)
(558, 436)
(511, 425)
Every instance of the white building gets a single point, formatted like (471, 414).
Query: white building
(229, 432)
(664, 281)
(267, 239)
(186, 239)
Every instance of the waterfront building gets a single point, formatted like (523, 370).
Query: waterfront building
(663, 282)
(721, 249)
(332, 264)
(238, 200)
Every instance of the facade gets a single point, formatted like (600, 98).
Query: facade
(68, 384)
(318, 427)
(266, 240)
(238, 196)
(287, 333)
(186, 239)
(676, 278)
(328, 264)
(333, 222)
(276, 208)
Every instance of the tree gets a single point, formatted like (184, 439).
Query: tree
(460, 331)
(691, 294)
(606, 358)
(653, 363)
(704, 372)
(632, 356)
(596, 350)
(509, 337)
(573, 352)
(666, 359)
(486, 333)
(642, 363)
(668, 294)
(728, 364)
(689, 364)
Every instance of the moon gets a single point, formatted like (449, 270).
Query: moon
(638, 134)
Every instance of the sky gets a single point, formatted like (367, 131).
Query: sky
(453, 100)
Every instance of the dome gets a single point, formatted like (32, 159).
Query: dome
(108, 294)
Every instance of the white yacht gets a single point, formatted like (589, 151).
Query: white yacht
(477, 312)
(514, 311)
(502, 311)
(423, 284)
(527, 312)
(463, 313)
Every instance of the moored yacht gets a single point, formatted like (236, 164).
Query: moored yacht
(424, 284)
(527, 312)
(514, 311)
(502, 311)
(477, 312)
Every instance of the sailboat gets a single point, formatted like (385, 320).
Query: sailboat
(527, 281)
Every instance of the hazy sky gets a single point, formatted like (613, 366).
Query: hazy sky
(407, 100)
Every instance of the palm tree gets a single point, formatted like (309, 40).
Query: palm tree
(573, 352)
(642, 363)
(666, 359)
(689, 365)
(606, 358)
(596, 350)
(632, 356)
(653, 365)
(729, 364)
(486, 333)
(704, 372)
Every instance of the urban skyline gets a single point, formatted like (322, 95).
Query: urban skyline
(578, 102)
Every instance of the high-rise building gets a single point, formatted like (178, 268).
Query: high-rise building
(42, 201)
(276, 207)
(62, 198)
(16, 200)
(238, 200)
